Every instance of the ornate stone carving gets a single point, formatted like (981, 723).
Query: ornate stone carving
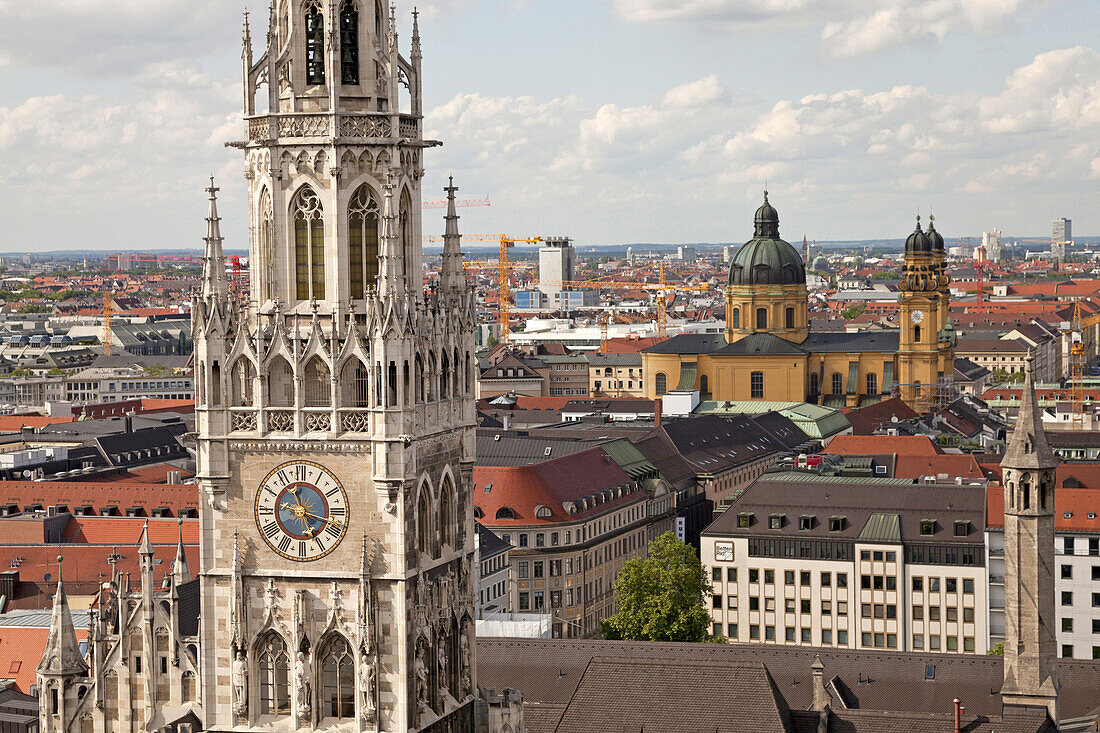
(303, 125)
(364, 127)
(240, 685)
(303, 686)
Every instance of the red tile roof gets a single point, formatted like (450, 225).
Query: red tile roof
(866, 420)
(122, 494)
(632, 345)
(870, 445)
(1076, 503)
(954, 465)
(127, 531)
(15, 423)
(569, 478)
(158, 405)
(20, 649)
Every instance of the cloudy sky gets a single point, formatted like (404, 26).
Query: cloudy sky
(606, 120)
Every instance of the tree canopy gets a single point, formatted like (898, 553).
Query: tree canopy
(661, 597)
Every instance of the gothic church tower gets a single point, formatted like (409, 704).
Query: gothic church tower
(335, 418)
(1029, 467)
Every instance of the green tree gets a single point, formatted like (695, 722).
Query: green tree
(156, 370)
(661, 598)
(853, 311)
(997, 649)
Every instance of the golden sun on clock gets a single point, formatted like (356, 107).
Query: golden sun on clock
(301, 510)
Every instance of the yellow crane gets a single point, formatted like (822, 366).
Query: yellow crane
(107, 338)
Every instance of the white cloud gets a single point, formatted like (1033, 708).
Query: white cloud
(658, 171)
(108, 37)
(849, 28)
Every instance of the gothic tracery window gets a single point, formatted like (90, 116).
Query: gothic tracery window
(309, 245)
(267, 243)
(242, 377)
(423, 523)
(315, 44)
(412, 279)
(274, 676)
(362, 241)
(446, 510)
(337, 680)
(316, 384)
(355, 383)
(349, 44)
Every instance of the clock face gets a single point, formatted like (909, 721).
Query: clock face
(917, 316)
(302, 510)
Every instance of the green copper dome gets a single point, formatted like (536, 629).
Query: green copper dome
(766, 259)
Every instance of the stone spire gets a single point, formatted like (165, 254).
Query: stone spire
(1028, 473)
(390, 277)
(451, 276)
(62, 653)
(181, 573)
(214, 283)
(1028, 448)
(416, 36)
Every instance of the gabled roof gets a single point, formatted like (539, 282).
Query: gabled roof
(866, 445)
(763, 344)
(821, 342)
(689, 343)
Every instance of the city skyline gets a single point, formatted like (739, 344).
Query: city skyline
(854, 114)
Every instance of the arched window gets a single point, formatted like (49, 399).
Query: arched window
(444, 374)
(446, 514)
(274, 675)
(267, 244)
(349, 44)
(735, 318)
(704, 385)
(242, 378)
(478, 514)
(309, 245)
(762, 318)
(872, 383)
(815, 384)
(838, 383)
(418, 377)
(379, 21)
(756, 385)
(188, 681)
(412, 279)
(662, 383)
(337, 679)
(789, 317)
(362, 241)
(424, 523)
(316, 384)
(916, 334)
(315, 44)
(505, 512)
(355, 384)
(280, 382)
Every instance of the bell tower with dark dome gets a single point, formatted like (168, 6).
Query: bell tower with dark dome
(766, 291)
(921, 353)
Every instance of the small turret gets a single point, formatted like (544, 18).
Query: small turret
(391, 279)
(215, 286)
(451, 276)
(61, 666)
(181, 573)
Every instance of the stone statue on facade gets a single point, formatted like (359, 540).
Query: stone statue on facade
(303, 685)
(240, 683)
(442, 663)
(366, 684)
(420, 669)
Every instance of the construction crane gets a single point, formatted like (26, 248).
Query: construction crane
(442, 203)
(238, 265)
(107, 337)
(1077, 369)
(605, 323)
(661, 287)
(979, 270)
(504, 312)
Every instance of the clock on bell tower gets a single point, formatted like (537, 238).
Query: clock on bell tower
(924, 356)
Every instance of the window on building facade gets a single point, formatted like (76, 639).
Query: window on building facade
(872, 383)
(756, 385)
(337, 680)
(661, 383)
(309, 245)
(349, 44)
(274, 677)
(362, 241)
(315, 43)
(762, 318)
(838, 383)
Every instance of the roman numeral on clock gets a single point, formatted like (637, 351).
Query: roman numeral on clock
(271, 529)
(338, 511)
(332, 529)
(301, 549)
(284, 544)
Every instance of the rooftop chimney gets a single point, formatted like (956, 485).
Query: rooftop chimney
(821, 695)
(657, 405)
(959, 709)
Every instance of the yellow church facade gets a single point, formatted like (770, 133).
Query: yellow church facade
(768, 352)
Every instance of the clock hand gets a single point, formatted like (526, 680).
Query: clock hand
(333, 520)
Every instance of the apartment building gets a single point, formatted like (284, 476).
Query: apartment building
(493, 569)
(1076, 566)
(573, 521)
(616, 375)
(807, 559)
(567, 374)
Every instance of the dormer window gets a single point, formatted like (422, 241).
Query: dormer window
(506, 512)
(776, 521)
(962, 528)
(928, 526)
(806, 522)
(836, 523)
(744, 520)
(543, 512)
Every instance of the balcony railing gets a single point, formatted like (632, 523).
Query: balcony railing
(360, 125)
